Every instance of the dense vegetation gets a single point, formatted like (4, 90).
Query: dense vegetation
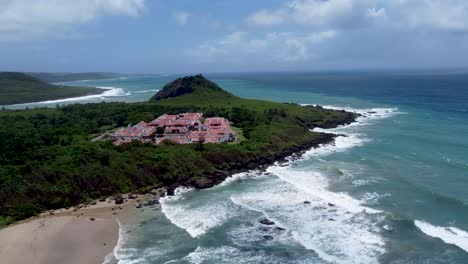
(71, 77)
(16, 88)
(48, 161)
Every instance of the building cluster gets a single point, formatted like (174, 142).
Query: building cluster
(183, 128)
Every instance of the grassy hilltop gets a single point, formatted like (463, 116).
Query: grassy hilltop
(16, 88)
(47, 159)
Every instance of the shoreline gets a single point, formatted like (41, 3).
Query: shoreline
(106, 91)
(90, 233)
(83, 234)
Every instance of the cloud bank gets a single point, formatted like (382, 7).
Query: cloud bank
(29, 18)
(426, 15)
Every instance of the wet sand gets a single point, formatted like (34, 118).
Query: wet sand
(73, 236)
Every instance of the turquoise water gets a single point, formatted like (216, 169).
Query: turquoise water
(398, 181)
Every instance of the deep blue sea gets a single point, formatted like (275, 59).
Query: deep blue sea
(397, 181)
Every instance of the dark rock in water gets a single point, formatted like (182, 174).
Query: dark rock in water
(92, 219)
(138, 206)
(267, 237)
(151, 203)
(266, 222)
(331, 219)
(372, 112)
(119, 200)
(306, 202)
(170, 191)
(330, 204)
(131, 197)
(280, 228)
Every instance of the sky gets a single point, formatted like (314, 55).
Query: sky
(175, 36)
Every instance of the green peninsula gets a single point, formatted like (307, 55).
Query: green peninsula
(17, 88)
(48, 159)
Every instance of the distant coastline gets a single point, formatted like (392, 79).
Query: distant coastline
(21, 88)
(102, 91)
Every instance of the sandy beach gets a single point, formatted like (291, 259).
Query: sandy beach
(74, 236)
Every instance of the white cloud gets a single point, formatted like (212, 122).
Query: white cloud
(319, 13)
(440, 15)
(435, 15)
(27, 18)
(273, 47)
(267, 18)
(181, 17)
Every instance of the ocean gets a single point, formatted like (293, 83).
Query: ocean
(392, 189)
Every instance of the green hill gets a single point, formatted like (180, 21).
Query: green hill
(187, 85)
(48, 161)
(16, 88)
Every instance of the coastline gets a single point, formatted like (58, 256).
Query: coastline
(90, 233)
(83, 234)
(106, 91)
(70, 236)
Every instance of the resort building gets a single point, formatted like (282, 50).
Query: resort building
(185, 128)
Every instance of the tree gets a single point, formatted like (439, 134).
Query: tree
(160, 130)
(200, 144)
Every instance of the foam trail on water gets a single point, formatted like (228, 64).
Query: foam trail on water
(146, 91)
(349, 134)
(199, 218)
(450, 235)
(113, 257)
(334, 225)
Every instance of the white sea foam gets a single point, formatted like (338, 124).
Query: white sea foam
(316, 184)
(229, 255)
(349, 134)
(373, 197)
(341, 143)
(450, 235)
(146, 91)
(196, 219)
(360, 182)
(114, 256)
(338, 227)
(334, 225)
(110, 92)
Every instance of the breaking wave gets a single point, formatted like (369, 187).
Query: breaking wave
(450, 235)
(338, 228)
(109, 92)
(146, 91)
